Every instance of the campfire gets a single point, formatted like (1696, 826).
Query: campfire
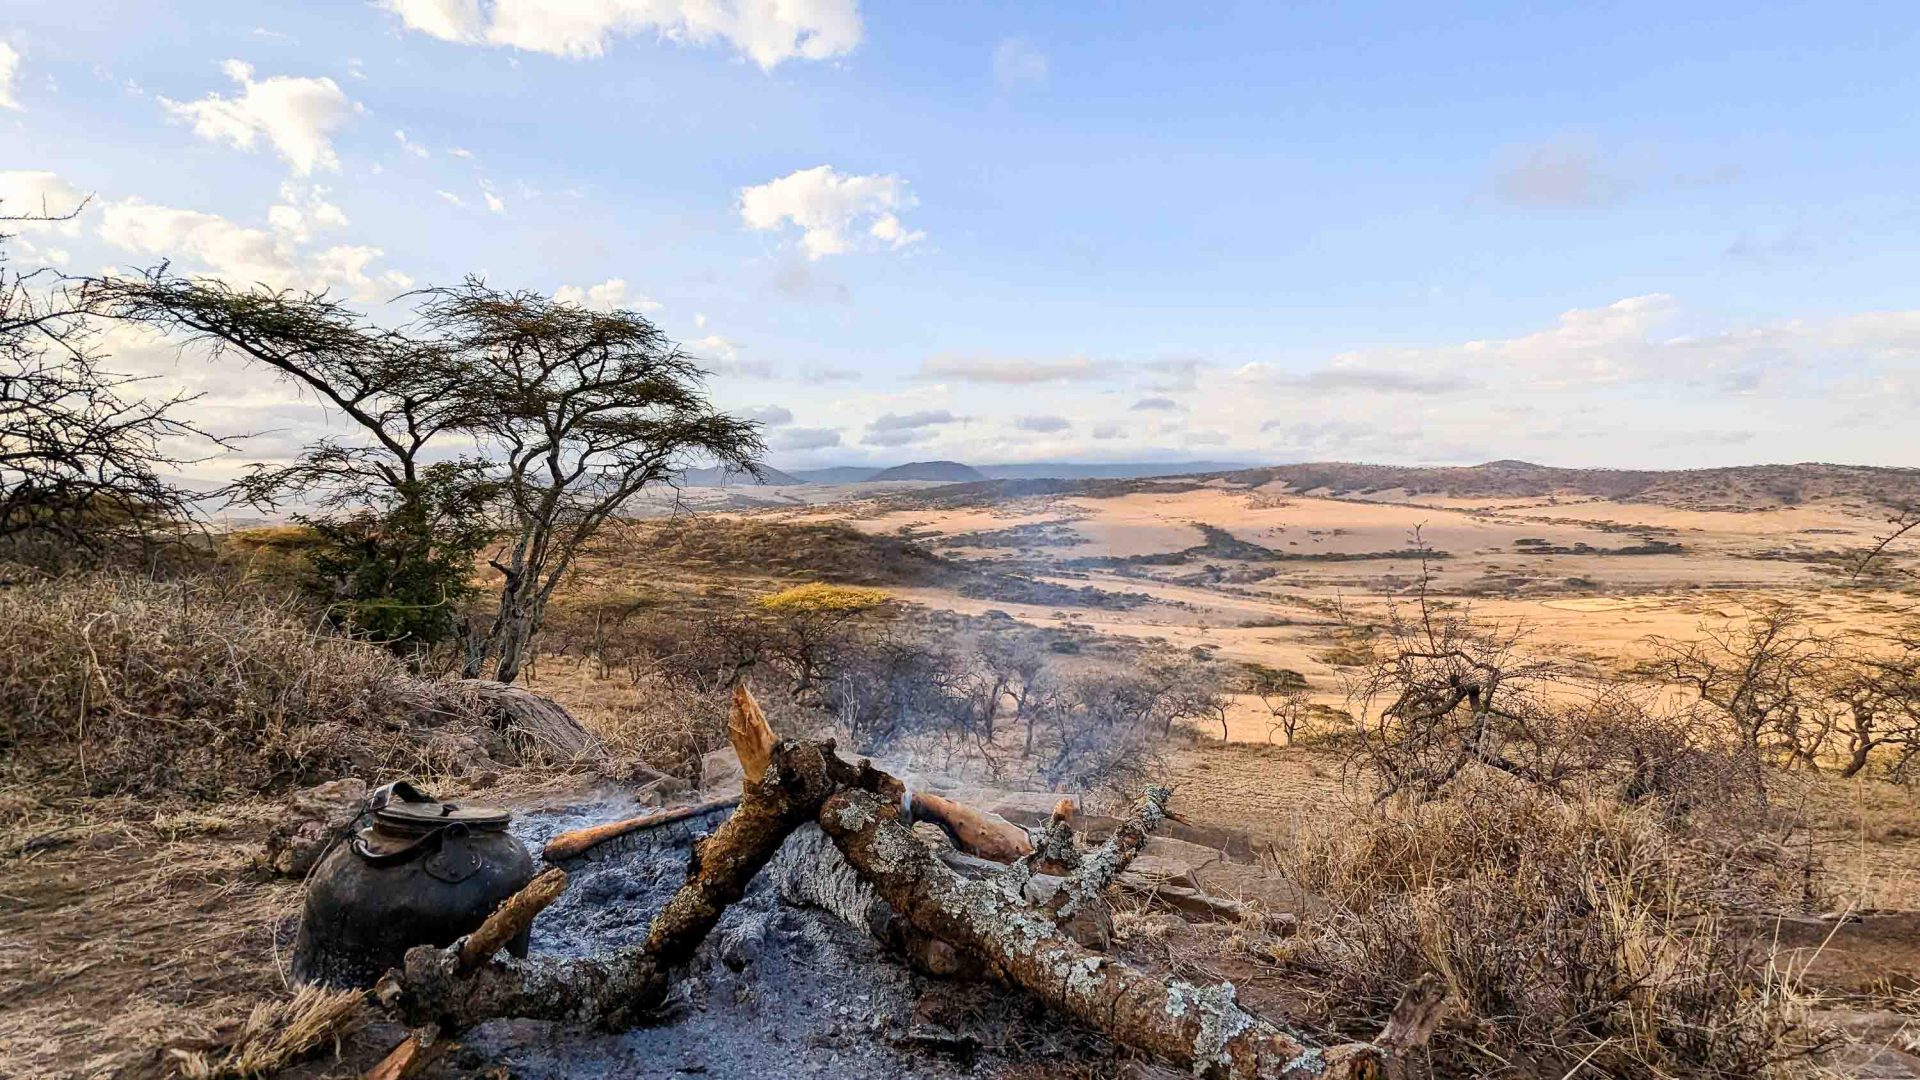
(830, 912)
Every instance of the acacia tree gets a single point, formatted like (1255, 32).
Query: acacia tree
(1282, 691)
(547, 415)
(1876, 693)
(1444, 695)
(401, 513)
(584, 410)
(402, 391)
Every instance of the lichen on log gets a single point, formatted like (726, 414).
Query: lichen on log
(1096, 871)
(1202, 1028)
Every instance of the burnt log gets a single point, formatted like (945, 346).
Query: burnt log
(1201, 1028)
(992, 924)
(973, 831)
(569, 845)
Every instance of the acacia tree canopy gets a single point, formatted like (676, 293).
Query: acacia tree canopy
(578, 411)
(561, 414)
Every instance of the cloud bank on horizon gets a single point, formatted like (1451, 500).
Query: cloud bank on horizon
(905, 233)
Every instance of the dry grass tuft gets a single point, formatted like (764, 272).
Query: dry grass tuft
(207, 687)
(1566, 930)
(276, 1034)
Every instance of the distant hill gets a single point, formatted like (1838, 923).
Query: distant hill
(1736, 487)
(721, 476)
(1117, 470)
(1037, 470)
(1744, 487)
(836, 474)
(946, 472)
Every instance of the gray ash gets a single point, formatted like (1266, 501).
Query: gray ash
(779, 991)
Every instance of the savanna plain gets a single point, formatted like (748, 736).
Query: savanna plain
(1622, 759)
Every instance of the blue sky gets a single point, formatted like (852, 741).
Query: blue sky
(1616, 234)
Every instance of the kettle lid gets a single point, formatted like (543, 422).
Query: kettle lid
(403, 807)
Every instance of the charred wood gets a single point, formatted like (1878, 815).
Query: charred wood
(1199, 1027)
(570, 845)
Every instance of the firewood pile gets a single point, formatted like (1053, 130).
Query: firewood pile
(986, 903)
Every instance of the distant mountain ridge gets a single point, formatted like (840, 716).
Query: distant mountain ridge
(720, 476)
(1741, 487)
(1038, 470)
(1738, 486)
(946, 472)
(1748, 486)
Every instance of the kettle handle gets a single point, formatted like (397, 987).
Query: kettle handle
(429, 842)
(379, 797)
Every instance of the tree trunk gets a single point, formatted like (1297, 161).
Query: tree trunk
(1862, 751)
(533, 717)
(516, 631)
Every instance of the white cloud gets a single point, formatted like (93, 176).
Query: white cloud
(297, 115)
(1018, 64)
(770, 415)
(411, 147)
(1586, 347)
(448, 20)
(450, 197)
(904, 429)
(304, 213)
(1172, 375)
(766, 31)
(827, 206)
(242, 255)
(805, 438)
(1045, 425)
(1011, 371)
(608, 295)
(9, 74)
(722, 356)
(494, 202)
(37, 193)
(1563, 172)
(909, 421)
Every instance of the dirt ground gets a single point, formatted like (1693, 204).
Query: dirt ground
(126, 927)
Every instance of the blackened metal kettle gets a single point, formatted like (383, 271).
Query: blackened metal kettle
(415, 871)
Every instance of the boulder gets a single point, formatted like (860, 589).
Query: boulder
(720, 774)
(314, 820)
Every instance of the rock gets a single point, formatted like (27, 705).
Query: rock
(720, 773)
(315, 819)
(461, 753)
(1862, 1061)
